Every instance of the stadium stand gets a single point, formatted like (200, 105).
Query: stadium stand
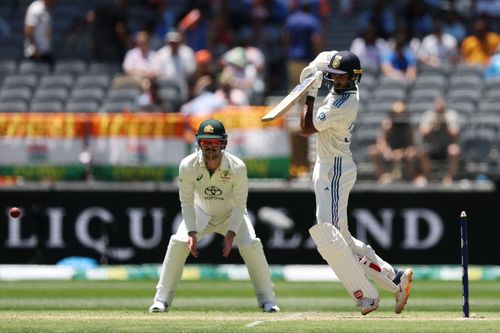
(76, 83)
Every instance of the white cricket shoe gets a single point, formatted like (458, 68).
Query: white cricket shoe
(270, 307)
(368, 305)
(158, 307)
(404, 291)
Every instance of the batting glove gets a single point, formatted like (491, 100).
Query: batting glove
(318, 79)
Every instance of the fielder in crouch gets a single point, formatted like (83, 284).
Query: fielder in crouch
(213, 190)
(333, 177)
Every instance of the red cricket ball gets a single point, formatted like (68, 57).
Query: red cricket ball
(15, 212)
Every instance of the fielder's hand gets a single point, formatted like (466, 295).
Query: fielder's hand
(318, 79)
(229, 243)
(192, 244)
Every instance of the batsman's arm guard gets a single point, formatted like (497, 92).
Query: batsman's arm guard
(333, 248)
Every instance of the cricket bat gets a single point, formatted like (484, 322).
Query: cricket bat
(286, 104)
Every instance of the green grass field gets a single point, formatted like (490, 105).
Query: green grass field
(78, 306)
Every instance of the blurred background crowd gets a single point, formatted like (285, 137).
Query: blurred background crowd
(430, 90)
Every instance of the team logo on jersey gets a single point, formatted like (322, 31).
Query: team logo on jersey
(200, 176)
(213, 193)
(321, 116)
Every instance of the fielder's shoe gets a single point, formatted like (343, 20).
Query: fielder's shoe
(368, 305)
(270, 307)
(158, 307)
(404, 289)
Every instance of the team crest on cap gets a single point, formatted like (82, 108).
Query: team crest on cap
(336, 61)
(208, 129)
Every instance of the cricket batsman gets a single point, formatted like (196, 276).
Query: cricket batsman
(333, 178)
(213, 191)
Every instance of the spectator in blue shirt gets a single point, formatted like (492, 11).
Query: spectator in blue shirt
(303, 41)
(400, 64)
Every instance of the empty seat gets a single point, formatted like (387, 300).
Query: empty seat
(32, 67)
(476, 146)
(109, 68)
(88, 94)
(50, 94)
(489, 107)
(93, 81)
(124, 94)
(418, 107)
(17, 81)
(371, 71)
(14, 106)
(389, 95)
(73, 67)
(468, 69)
(464, 95)
(424, 95)
(388, 83)
(442, 70)
(8, 66)
(171, 98)
(50, 106)
(17, 94)
(492, 84)
(430, 82)
(65, 81)
(466, 108)
(465, 82)
(380, 107)
(82, 106)
(492, 95)
(119, 106)
(368, 81)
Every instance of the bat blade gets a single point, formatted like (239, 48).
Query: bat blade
(286, 104)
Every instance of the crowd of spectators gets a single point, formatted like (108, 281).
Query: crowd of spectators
(441, 53)
(397, 36)
(195, 56)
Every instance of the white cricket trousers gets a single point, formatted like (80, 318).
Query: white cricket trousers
(333, 180)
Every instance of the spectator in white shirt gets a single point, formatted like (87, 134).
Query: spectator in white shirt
(370, 48)
(438, 48)
(38, 31)
(139, 61)
(176, 61)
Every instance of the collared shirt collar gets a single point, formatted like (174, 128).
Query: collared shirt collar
(224, 163)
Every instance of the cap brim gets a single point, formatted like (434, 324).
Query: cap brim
(335, 71)
(208, 136)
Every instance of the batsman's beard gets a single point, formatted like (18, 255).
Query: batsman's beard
(210, 154)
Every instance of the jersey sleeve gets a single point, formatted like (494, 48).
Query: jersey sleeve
(186, 196)
(240, 194)
(334, 113)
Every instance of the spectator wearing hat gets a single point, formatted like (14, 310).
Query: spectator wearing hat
(240, 73)
(176, 61)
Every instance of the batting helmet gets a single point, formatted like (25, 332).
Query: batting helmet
(346, 62)
(212, 129)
